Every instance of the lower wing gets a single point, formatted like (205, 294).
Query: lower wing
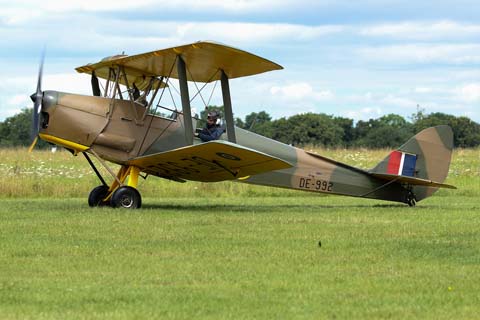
(208, 162)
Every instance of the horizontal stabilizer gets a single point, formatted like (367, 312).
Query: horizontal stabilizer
(413, 181)
(208, 162)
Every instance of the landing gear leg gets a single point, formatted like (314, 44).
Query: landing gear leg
(98, 194)
(127, 196)
(118, 194)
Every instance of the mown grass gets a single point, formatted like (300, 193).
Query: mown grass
(235, 251)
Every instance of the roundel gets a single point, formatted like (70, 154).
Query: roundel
(228, 156)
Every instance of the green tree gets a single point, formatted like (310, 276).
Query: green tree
(259, 123)
(389, 131)
(348, 129)
(465, 131)
(281, 130)
(239, 123)
(308, 129)
(254, 119)
(16, 130)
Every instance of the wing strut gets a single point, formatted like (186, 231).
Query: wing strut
(187, 112)
(227, 104)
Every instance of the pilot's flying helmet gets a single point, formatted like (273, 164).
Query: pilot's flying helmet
(213, 115)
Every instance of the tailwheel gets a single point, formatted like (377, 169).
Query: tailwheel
(126, 197)
(96, 196)
(411, 199)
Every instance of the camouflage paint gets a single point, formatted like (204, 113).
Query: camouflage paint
(114, 130)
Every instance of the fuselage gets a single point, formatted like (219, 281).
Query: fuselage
(119, 130)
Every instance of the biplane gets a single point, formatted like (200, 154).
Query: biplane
(121, 123)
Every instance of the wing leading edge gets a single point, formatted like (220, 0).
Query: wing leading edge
(208, 162)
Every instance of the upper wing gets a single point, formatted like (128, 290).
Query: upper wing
(209, 162)
(203, 60)
(413, 181)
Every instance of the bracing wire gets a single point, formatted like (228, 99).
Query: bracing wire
(173, 100)
(199, 90)
(211, 94)
(156, 107)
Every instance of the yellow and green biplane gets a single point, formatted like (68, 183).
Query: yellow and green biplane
(121, 123)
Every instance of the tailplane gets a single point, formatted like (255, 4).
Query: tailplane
(422, 162)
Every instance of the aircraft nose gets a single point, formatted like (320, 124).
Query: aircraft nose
(47, 98)
(50, 98)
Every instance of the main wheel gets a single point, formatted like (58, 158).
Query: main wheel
(96, 196)
(126, 197)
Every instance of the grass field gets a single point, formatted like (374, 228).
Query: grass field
(243, 252)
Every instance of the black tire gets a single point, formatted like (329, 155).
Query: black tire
(126, 197)
(96, 196)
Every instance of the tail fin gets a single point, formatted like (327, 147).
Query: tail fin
(425, 156)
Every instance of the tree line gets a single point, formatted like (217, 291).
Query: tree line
(389, 131)
(315, 129)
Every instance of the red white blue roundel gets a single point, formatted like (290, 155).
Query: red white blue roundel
(401, 163)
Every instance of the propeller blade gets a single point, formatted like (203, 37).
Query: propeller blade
(37, 102)
(40, 73)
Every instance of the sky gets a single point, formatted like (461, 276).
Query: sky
(357, 59)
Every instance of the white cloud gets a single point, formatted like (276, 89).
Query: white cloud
(19, 100)
(422, 90)
(422, 53)
(370, 67)
(300, 91)
(67, 82)
(437, 30)
(364, 113)
(398, 102)
(94, 34)
(249, 33)
(22, 11)
(15, 91)
(231, 5)
(469, 92)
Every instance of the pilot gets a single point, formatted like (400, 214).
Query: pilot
(212, 130)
